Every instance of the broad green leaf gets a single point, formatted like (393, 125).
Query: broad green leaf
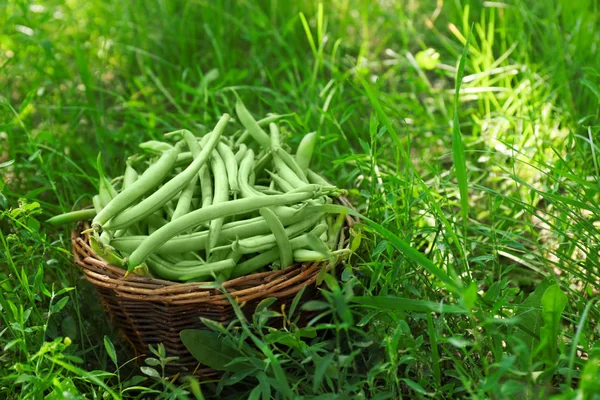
(255, 393)
(321, 366)
(470, 296)
(529, 313)
(150, 372)
(209, 349)
(554, 302)
(56, 307)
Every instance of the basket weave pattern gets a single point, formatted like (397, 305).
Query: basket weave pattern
(149, 311)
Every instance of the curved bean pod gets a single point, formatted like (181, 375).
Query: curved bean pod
(231, 166)
(221, 195)
(246, 190)
(239, 156)
(250, 124)
(73, 216)
(305, 150)
(98, 206)
(282, 183)
(313, 177)
(261, 122)
(283, 242)
(185, 200)
(291, 163)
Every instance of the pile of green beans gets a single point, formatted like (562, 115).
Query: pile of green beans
(223, 205)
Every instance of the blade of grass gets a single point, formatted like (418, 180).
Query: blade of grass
(458, 146)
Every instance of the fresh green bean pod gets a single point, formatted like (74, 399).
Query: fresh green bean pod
(204, 173)
(155, 146)
(129, 177)
(172, 187)
(73, 216)
(98, 206)
(313, 177)
(221, 195)
(250, 124)
(305, 150)
(239, 155)
(231, 166)
(246, 190)
(149, 179)
(282, 183)
(305, 255)
(185, 200)
(280, 234)
(197, 217)
(290, 163)
(261, 122)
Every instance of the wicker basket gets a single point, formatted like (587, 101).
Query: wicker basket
(149, 311)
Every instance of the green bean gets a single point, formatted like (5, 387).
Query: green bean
(313, 177)
(275, 140)
(291, 163)
(286, 173)
(129, 176)
(98, 206)
(197, 217)
(105, 252)
(260, 122)
(231, 166)
(318, 245)
(221, 195)
(155, 147)
(184, 157)
(250, 124)
(204, 173)
(305, 150)
(185, 200)
(304, 255)
(172, 187)
(105, 238)
(283, 242)
(257, 244)
(282, 183)
(107, 191)
(246, 190)
(266, 190)
(73, 216)
(149, 179)
(239, 156)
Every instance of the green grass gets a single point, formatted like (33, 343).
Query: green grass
(478, 229)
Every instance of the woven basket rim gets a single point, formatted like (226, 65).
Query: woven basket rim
(245, 288)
